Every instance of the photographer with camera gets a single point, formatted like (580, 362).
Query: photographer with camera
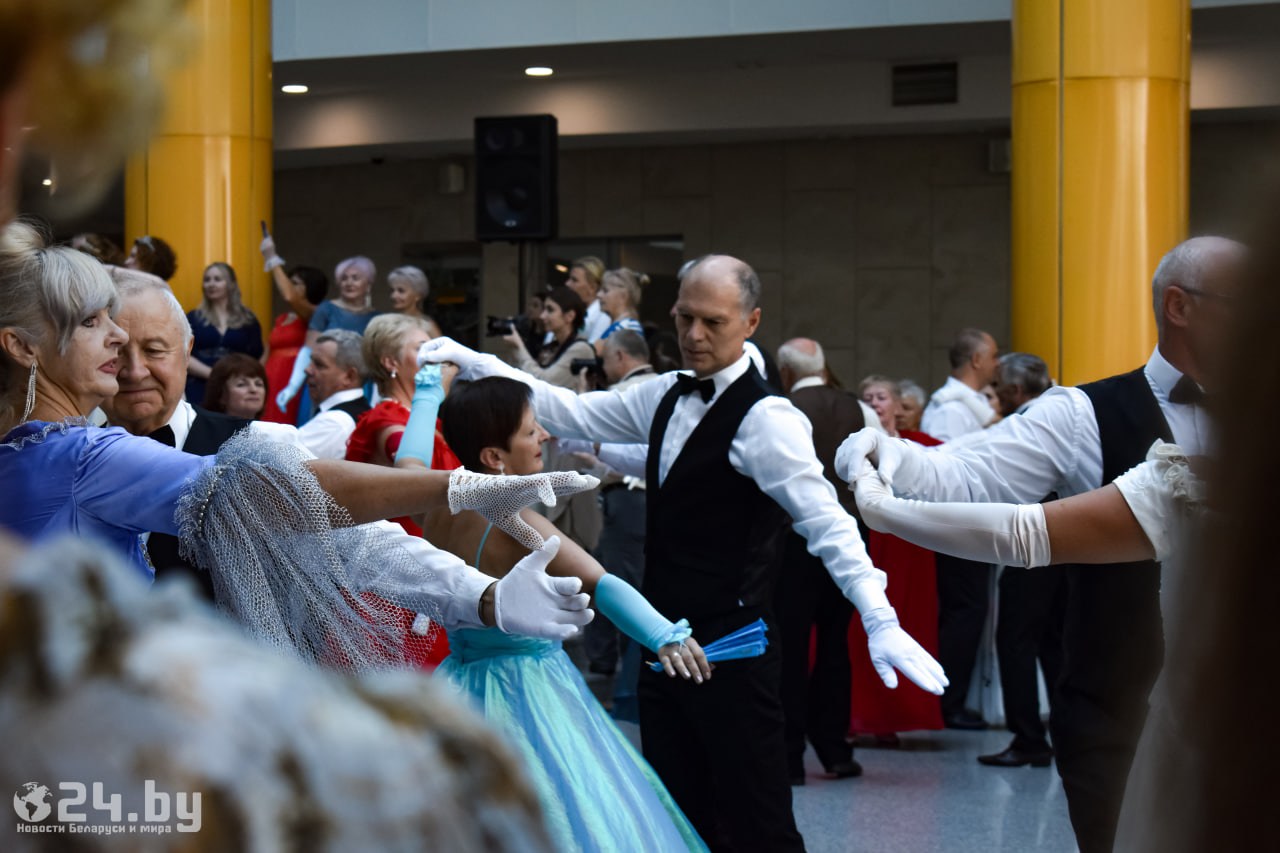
(563, 315)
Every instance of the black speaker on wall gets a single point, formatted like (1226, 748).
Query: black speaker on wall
(516, 189)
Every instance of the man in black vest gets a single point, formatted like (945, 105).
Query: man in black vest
(336, 378)
(728, 460)
(816, 704)
(1074, 440)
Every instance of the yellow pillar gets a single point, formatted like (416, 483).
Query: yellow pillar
(1100, 127)
(204, 183)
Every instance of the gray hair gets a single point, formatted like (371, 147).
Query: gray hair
(792, 355)
(384, 336)
(968, 343)
(1025, 370)
(895, 390)
(1183, 266)
(911, 388)
(629, 342)
(748, 282)
(415, 278)
(348, 344)
(130, 283)
(43, 289)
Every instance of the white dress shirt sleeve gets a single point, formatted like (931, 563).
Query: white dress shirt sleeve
(1053, 447)
(326, 434)
(774, 447)
(629, 460)
(440, 583)
(945, 421)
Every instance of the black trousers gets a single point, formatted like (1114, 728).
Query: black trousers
(964, 595)
(1029, 627)
(1113, 649)
(621, 552)
(718, 747)
(815, 704)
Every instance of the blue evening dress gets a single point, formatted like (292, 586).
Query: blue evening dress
(597, 792)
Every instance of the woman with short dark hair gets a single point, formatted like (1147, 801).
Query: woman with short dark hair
(563, 315)
(237, 387)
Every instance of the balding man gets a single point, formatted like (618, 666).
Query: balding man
(728, 460)
(816, 702)
(959, 406)
(1071, 441)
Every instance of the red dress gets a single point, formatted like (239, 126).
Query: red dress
(913, 592)
(287, 337)
(362, 447)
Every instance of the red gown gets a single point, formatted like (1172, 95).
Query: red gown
(362, 447)
(287, 337)
(913, 592)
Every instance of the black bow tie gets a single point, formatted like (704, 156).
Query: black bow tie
(1187, 392)
(689, 384)
(164, 435)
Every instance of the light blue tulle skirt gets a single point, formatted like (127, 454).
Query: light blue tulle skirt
(597, 792)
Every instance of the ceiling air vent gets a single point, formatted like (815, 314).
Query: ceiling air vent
(929, 83)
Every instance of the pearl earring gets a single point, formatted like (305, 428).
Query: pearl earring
(393, 373)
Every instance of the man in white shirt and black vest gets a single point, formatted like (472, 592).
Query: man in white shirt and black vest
(336, 377)
(1071, 441)
(728, 460)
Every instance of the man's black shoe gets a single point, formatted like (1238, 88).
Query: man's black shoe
(965, 721)
(1018, 758)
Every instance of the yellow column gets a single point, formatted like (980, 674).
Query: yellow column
(204, 183)
(1100, 127)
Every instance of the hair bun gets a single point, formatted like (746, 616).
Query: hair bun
(19, 238)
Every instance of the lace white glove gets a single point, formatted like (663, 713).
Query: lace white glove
(528, 601)
(271, 259)
(1007, 534)
(891, 647)
(500, 497)
(439, 350)
(889, 455)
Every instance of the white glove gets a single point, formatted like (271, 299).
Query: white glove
(891, 647)
(529, 601)
(1006, 534)
(439, 350)
(888, 455)
(500, 497)
(269, 256)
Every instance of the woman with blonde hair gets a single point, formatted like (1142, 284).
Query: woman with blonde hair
(409, 289)
(620, 293)
(585, 276)
(220, 326)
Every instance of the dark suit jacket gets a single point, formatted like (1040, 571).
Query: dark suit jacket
(208, 432)
(834, 414)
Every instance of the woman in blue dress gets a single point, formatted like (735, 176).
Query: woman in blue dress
(284, 537)
(597, 792)
(220, 326)
(352, 310)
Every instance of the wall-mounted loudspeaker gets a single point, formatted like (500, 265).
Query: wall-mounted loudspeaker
(515, 176)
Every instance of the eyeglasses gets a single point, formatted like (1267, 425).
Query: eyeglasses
(1224, 298)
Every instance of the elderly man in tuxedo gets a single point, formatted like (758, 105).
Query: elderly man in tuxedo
(728, 460)
(816, 703)
(1073, 440)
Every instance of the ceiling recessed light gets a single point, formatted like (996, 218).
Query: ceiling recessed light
(561, 268)
(48, 182)
(539, 71)
(294, 89)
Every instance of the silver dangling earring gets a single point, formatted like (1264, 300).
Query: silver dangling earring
(31, 393)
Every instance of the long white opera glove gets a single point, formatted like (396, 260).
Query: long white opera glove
(891, 647)
(500, 498)
(1007, 534)
(529, 601)
(888, 455)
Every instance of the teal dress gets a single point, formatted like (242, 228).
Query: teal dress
(597, 792)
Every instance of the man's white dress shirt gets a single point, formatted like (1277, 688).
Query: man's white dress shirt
(955, 409)
(326, 434)
(446, 585)
(773, 447)
(1053, 447)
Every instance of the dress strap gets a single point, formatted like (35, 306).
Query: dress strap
(480, 547)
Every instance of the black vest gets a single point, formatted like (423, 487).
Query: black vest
(1113, 635)
(209, 431)
(355, 408)
(712, 535)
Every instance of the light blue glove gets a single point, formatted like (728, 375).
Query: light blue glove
(299, 375)
(419, 439)
(634, 616)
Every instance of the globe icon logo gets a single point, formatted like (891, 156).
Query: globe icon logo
(31, 802)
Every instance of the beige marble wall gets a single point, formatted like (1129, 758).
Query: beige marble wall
(879, 247)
